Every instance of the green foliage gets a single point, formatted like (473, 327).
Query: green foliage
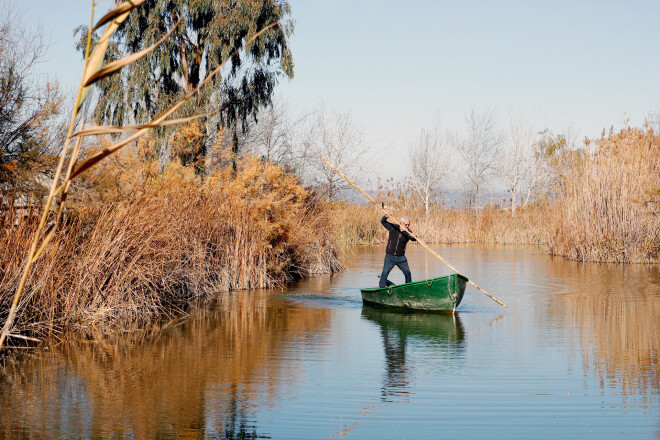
(211, 31)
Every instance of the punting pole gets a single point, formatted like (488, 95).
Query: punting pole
(407, 230)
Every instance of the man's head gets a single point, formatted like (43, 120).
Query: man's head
(405, 221)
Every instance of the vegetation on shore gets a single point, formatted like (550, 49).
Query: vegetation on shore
(157, 242)
(599, 204)
(360, 224)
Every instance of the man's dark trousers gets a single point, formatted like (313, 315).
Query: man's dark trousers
(391, 261)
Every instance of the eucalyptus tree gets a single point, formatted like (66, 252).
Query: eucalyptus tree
(207, 33)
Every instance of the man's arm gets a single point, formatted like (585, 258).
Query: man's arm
(389, 226)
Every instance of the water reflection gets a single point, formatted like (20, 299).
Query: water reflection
(440, 333)
(574, 356)
(198, 378)
(613, 317)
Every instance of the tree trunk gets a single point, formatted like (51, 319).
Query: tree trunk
(513, 203)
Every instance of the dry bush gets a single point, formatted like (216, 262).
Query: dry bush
(173, 239)
(607, 208)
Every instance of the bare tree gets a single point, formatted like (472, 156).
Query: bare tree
(270, 135)
(517, 165)
(334, 136)
(480, 150)
(429, 165)
(28, 107)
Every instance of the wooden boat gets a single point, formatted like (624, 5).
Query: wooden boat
(442, 294)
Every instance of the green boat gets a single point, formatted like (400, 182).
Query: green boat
(442, 294)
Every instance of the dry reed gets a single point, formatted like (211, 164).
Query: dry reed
(356, 224)
(68, 167)
(608, 204)
(150, 254)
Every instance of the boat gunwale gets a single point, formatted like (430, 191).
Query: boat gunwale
(395, 286)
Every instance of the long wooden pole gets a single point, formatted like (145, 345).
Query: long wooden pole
(408, 230)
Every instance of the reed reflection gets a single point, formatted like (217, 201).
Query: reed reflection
(438, 333)
(200, 378)
(612, 313)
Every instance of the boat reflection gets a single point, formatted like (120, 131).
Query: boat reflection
(440, 335)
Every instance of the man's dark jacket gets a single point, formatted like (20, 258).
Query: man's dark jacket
(396, 243)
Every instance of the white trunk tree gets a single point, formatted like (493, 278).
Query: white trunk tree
(480, 150)
(335, 137)
(270, 136)
(517, 165)
(429, 160)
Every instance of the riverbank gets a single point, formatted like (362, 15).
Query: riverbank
(138, 243)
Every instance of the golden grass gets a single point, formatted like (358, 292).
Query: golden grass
(68, 167)
(355, 224)
(607, 208)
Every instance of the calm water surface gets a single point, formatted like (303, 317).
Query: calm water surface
(576, 355)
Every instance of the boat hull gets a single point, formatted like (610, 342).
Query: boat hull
(442, 294)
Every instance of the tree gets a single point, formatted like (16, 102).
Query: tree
(335, 137)
(27, 107)
(429, 165)
(271, 135)
(209, 33)
(555, 155)
(480, 150)
(517, 166)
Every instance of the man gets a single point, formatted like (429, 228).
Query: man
(395, 254)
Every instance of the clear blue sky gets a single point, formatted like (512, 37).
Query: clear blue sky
(398, 66)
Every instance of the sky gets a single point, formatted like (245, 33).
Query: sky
(398, 67)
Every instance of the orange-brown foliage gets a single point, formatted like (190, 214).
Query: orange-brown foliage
(147, 243)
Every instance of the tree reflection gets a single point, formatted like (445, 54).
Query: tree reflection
(198, 378)
(438, 332)
(613, 315)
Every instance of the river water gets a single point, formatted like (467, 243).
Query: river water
(576, 355)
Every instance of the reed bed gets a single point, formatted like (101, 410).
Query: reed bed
(355, 224)
(604, 206)
(149, 254)
(608, 203)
